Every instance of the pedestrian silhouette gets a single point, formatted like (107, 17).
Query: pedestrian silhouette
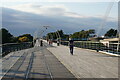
(71, 46)
(58, 42)
(41, 43)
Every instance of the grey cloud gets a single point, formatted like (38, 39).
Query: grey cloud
(19, 22)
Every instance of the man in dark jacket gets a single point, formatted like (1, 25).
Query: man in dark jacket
(71, 46)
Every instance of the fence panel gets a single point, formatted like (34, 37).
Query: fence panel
(112, 48)
(10, 47)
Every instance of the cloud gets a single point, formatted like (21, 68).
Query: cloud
(52, 10)
(19, 22)
(42, 10)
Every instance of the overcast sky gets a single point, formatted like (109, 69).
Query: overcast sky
(26, 17)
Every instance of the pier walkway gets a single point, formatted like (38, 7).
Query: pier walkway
(36, 63)
(55, 62)
(87, 63)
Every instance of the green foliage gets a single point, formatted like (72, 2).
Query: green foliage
(6, 36)
(111, 33)
(57, 35)
(83, 34)
(23, 39)
(26, 37)
(66, 37)
(9, 38)
(60, 34)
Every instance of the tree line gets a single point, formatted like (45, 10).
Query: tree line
(83, 34)
(7, 37)
(111, 33)
(60, 34)
(57, 35)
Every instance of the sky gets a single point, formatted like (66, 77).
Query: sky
(95, 8)
(60, 0)
(23, 17)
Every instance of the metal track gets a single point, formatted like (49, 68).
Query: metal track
(24, 57)
(29, 66)
(31, 62)
(47, 66)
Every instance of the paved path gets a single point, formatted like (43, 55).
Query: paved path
(34, 64)
(87, 64)
(43, 63)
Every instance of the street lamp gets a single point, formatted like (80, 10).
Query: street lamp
(57, 34)
(118, 46)
(37, 35)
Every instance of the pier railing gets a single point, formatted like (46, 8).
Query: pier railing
(112, 47)
(10, 47)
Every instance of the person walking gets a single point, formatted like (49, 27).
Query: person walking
(49, 41)
(58, 42)
(41, 43)
(71, 46)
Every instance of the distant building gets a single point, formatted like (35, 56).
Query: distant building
(110, 41)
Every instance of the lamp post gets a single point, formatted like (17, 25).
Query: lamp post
(41, 32)
(35, 37)
(118, 45)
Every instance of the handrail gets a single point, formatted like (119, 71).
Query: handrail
(14, 43)
(10, 47)
(112, 47)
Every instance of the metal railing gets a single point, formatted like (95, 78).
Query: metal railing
(10, 47)
(112, 48)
